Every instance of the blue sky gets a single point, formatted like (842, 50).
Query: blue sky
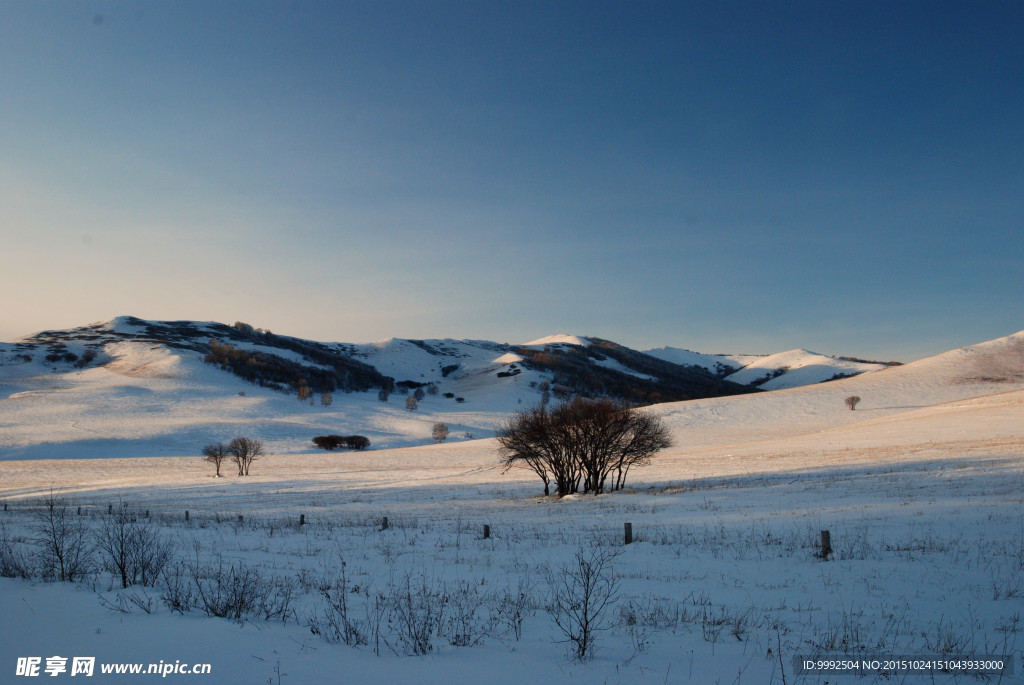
(722, 176)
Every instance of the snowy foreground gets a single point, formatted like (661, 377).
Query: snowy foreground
(920, 488)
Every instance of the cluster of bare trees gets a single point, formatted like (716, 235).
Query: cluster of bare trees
(65, 547)
(582, 443)
(242, 451)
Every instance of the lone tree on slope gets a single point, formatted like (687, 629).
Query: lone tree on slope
(852, 402)
(439, 432)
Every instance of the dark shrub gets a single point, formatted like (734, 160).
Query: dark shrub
(330, 442)
(357, 442)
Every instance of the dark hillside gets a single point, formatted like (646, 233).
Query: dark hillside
(591, 370)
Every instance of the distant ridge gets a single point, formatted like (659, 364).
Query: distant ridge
(582, 364)
(789, 369)
(132, 387)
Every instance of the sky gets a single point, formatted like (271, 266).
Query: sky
(741, 177)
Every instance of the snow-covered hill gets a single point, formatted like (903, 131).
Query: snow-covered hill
(145, 392)
(129, 387)
(149, 388)
(771, 372)
(993, 367)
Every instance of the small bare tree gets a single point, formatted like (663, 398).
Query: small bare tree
(244, 451)
(215, 454)
(581, 593)
(439, 432)
(411, 403)
(852, 402)
(131, 548)
(63, 539)
(326, 399)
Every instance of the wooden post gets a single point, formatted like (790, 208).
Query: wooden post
(186, 514)
(629, 533)
(79, 511)
(239, 518)
(302, 519)
(5, 506)
(384, 524)
(110, 508)
(487, 531)
(826, 544)
(147, 513)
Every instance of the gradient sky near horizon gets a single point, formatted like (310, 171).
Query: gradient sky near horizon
(742, 177)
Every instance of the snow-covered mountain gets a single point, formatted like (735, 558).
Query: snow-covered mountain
(129, 387)
(773, 371)
(152, 388)
(569, 363)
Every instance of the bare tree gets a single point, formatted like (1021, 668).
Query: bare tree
(244, 451)
(580, 595)
(14, 561)
(131, 547)
(63, 539)
(215, 454)
(411, 403)
(326, 399)
(581, 441)
(526, 440)
(852, 401)
(439, 432)
(647, 435)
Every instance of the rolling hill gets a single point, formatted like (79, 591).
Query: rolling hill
(130, 387)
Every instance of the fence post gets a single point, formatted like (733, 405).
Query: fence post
(110, 509)
(79, 510)
(629, 533)
(186, 514)
(487, 531)
(384, 524)
(239, 518)
(302, 519)
(826, 544)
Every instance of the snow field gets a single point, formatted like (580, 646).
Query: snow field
(920, 488)
(928, 557)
